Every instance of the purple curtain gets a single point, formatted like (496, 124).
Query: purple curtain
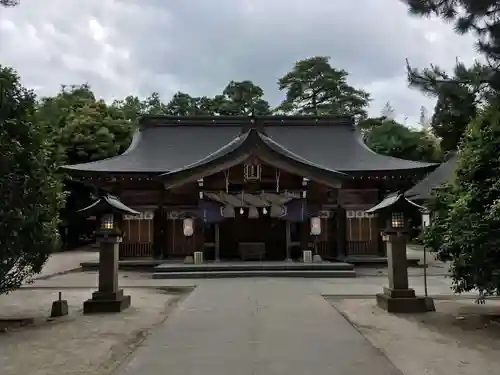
(211, 211)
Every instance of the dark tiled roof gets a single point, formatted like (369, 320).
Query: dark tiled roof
(166, 144)
(337, 147)
(442, 174)
(108, 204)
(163, 149)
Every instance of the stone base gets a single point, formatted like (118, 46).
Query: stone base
(404, 301)
(317, 258)
(106, 303)
(59, 308)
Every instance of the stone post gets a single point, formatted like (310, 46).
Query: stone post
(398, 297)
(108, 298)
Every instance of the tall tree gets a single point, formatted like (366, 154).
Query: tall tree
(242, 98)
(314, 87)
(458, 97)
(460, 94)
(465, 229)
(30, 191)
(480, 17)
(453, 112)
(131, 107)
(84, 128)
(93, 132)
(388, 137)
(183, 104)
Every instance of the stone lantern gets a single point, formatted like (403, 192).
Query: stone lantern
(108, 297)
(398, 297)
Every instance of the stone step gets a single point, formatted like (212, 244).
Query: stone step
(254, 266)
(255, 273)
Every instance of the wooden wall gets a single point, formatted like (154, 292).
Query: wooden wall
(341, 234)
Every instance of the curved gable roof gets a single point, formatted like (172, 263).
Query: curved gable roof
(169, 143)
(252, 142)
(162, 149)
(339, 148)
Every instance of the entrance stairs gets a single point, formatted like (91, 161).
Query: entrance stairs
(253, 269)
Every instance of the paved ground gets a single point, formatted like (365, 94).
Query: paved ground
(249, 326)
(66, 261)
(258, 327)
(359, 286)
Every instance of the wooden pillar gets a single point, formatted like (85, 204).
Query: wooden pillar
(158, 246)
(217, 243)
(288, 241)
(341, 232)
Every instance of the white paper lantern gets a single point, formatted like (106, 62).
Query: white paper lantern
(315, 226)
(188, 227)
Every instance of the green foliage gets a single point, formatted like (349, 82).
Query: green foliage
(458, 98)
(314, 87)
(30, 190)
(467, 222)
(237, 98)
(242, 98)
(86, 129)
(93, 132)
(452, 113)
(388, 137)
(183, 104)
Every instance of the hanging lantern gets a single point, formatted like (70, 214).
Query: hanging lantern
(426, 219)
(108, 222)
(264, 211)
(188, 227)
(253, 213)
(315, 226)
(242, 211)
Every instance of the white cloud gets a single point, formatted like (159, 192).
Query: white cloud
(139, 46)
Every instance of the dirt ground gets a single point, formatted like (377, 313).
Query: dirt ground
(76, 344)
(459, 338)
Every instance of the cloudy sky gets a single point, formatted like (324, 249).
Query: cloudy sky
(124, 47)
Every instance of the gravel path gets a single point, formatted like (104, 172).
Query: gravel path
(453, 341)
(76, 344)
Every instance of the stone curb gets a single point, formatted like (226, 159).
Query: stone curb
(441, 297)
(54, 274)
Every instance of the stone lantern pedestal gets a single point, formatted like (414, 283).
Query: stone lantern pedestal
(108, 297)
(398, 297)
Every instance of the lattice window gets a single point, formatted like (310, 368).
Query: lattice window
(253, 172)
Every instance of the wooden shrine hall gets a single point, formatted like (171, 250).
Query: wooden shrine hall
(250, 185)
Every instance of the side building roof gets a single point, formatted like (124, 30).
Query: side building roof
(166, 144)
(423, 189)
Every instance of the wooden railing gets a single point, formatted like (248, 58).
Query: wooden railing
(136, 250)
(362, 248)
(326, 249)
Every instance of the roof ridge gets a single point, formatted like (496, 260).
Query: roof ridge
(245, 121)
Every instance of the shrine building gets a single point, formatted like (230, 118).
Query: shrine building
(250, 181)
